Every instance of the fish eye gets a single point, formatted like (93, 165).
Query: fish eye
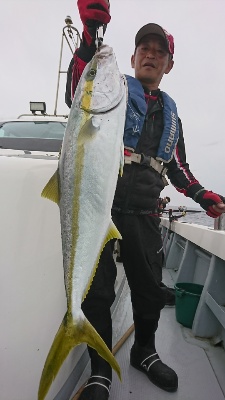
(91, 74)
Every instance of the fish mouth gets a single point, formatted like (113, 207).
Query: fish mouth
(103, 51)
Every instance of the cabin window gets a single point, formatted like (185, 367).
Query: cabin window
(32, 135)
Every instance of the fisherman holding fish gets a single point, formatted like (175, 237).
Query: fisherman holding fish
(153, 148)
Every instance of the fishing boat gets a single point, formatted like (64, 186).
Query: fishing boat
(33, 299)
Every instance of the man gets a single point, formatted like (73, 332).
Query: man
(153, 144)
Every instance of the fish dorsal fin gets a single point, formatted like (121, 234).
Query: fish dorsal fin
(51, 190)
(112, 233)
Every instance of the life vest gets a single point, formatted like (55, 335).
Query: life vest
(135, 116)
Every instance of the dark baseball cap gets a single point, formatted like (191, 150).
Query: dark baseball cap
(157, 30)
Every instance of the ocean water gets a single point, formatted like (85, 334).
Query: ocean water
(199, 218)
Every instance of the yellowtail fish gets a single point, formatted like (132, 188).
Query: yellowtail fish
(84, 187)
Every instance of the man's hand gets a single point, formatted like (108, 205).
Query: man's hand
(213, 203)
(219, 209)
(94, 10)
(93, 13)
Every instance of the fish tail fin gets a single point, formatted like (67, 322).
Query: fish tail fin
(69, 336)
(51, 190)
(90, 336)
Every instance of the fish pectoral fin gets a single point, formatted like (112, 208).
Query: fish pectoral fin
(69, 336)
(89, 130)
(51, 190)
(112, 233)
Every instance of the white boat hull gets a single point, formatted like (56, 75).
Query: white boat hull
(32, 292)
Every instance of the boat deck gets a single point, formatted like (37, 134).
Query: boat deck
(199, 365)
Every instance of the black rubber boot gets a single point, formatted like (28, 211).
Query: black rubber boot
(143, 356)
(99, 384)
(148, 361)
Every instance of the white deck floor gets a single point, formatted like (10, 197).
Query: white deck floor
(200, 366)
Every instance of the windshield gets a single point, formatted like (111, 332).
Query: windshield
(32, 135)
(33, 129)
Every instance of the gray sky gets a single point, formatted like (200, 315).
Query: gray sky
(30, 43)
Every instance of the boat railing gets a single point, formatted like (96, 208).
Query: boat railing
(196, 254)
(219, 223)
(72, 37)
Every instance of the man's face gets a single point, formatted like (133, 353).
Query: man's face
(151, 61)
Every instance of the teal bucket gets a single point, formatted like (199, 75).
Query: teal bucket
(187, 299)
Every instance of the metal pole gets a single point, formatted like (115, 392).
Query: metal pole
(70, 28)
(60, 62)
(219, 223)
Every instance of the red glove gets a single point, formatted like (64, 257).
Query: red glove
(93, 13)
(207, 199)
(97, 10)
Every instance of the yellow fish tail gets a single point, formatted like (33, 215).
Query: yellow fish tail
(69, 336)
